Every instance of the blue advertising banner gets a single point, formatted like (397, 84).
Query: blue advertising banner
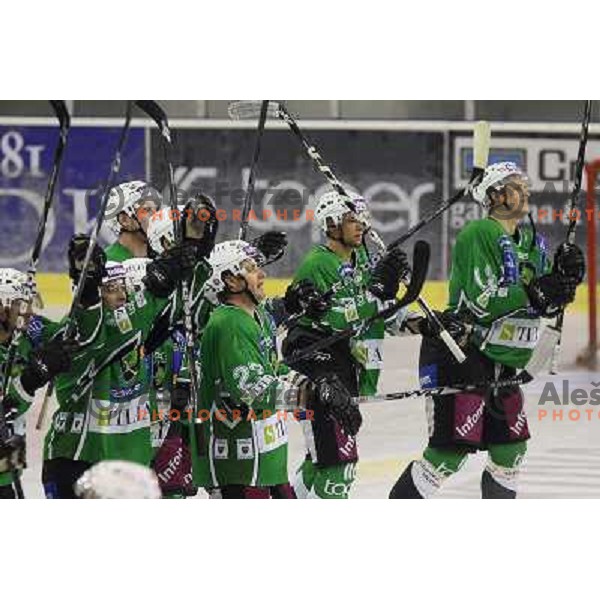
(26, 154)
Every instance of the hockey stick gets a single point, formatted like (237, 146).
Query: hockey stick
(245, 109)
(522, 378)
(481, 151)
(248, 109)
(419, 274)
(108, 184)
(158, 115)
(251, 177)
(570, 238)
(64, 120)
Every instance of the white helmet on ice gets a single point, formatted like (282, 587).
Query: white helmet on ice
(135, 271)
(118, 479)
(228, 257)
(13, 287)
(331, 209)
(494, 178)
(127, 197)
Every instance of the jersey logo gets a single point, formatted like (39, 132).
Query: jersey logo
(221, 449)
(245, 450)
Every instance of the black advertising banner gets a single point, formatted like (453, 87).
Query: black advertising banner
(398, 172)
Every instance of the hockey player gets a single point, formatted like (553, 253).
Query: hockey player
(502, 277)
(129, 210)
(39, 359)
(105, 402)
(342, 265)
(243, 384)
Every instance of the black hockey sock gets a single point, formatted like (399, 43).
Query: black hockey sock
(491, 489)
(405, 487)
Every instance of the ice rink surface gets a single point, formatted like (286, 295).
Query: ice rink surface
(563, 459)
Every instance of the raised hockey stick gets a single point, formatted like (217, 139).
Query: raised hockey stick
(249, 109)
(421, 254)
(158, 115)
(251, 177)
(245, 109)
(570, 237)
(64, 120)
(481, 151)
(522, 378)
(108, 184)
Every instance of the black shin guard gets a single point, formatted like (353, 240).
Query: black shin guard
(405, 487)
(492, 490)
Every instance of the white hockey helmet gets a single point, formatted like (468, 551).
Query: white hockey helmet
(161, 233)
(331, 209)
(13, 287)
(228, 257)
(361, 208)
(127, 197)
(135, 271)
(113, 271)
(118, 479)
(495, 177)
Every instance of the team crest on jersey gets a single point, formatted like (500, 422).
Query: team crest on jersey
(346, 270)
(130, 364)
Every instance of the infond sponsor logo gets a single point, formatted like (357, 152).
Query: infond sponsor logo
(554, 396)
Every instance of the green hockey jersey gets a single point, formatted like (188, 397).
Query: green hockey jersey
(118, 253)
(490, 269)
(245, 438)
(351, 304)
(104, 407)
(18, 401)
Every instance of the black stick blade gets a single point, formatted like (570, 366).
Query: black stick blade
(62, 113)
(420, 268)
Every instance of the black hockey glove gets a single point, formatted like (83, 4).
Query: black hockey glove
(12, 454)
(271, 245)
(303, 297)
(78, 247)
(175, 264)
(570, 262)
(388, 274)
(200, 223)
(456, 325)
(336, 400)
(47, 362)
(550, 293)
